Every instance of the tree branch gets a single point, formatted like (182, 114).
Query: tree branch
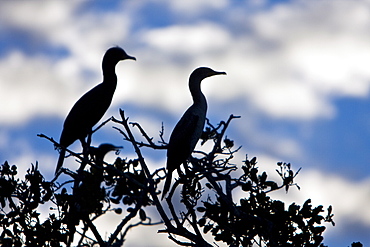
(170, 228)
(145, 168)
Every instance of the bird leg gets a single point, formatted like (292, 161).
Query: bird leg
(88, 139)
(180, 173)
(85, 150)
(170, 205)
(75, 206)
(186, 168)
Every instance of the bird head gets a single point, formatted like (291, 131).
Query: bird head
(116, 54)
(103, 149)
(107, 147)
(204, 72)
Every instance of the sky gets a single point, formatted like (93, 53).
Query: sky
(297, 74)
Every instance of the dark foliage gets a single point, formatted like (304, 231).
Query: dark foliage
(207, 187)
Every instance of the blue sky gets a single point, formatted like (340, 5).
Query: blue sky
(297, 75)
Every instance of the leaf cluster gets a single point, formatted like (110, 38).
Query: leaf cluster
(211, 197)
(260, 220)
(20, 219)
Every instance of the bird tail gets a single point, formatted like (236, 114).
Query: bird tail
(167, 184)
(60, 160)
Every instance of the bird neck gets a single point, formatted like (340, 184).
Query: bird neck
(109, 72)
(196, 92)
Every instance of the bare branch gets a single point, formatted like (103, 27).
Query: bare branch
(170, 228)
(145, 168)
(131, 215)
(95, 231)
(139, 223)
(150, 143)
(101, 125)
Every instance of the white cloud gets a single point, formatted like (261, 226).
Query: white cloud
(83, 33)
(317, 51)
(29, 87)
(293, 61)
(194, 7)
(190, 40)
(39, 85)
(42, 18)
(292, 100)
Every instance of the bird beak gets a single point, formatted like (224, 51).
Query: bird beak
(129, 57)
(116, 149)
(220, 73)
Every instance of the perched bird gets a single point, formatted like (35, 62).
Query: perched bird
(188, 130)
(99, 153)
(91, 107)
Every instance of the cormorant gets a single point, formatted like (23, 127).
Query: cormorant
(91, 107)
(188, 130)
(99, 153)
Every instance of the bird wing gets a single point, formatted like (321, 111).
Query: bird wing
(85, 113)
(183, 139)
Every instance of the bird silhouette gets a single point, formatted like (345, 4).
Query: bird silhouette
(91, 107)
(98, 153)
(188, 130)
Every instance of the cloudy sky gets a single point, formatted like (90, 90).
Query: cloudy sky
(297, 73)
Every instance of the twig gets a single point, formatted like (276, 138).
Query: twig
(95, 231)
(170, 205)
(101, 125)
(210, 157)
(56, 144)
(145, 135)
(217, 145)
(73, 175)
(85, 237)
(131, 215)
(150, 143)
(161, 133)
(140, 223)
(145, 168)
(193, 222)
(213, 127)
(178, 242)
(170, 228)
(83, 234)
